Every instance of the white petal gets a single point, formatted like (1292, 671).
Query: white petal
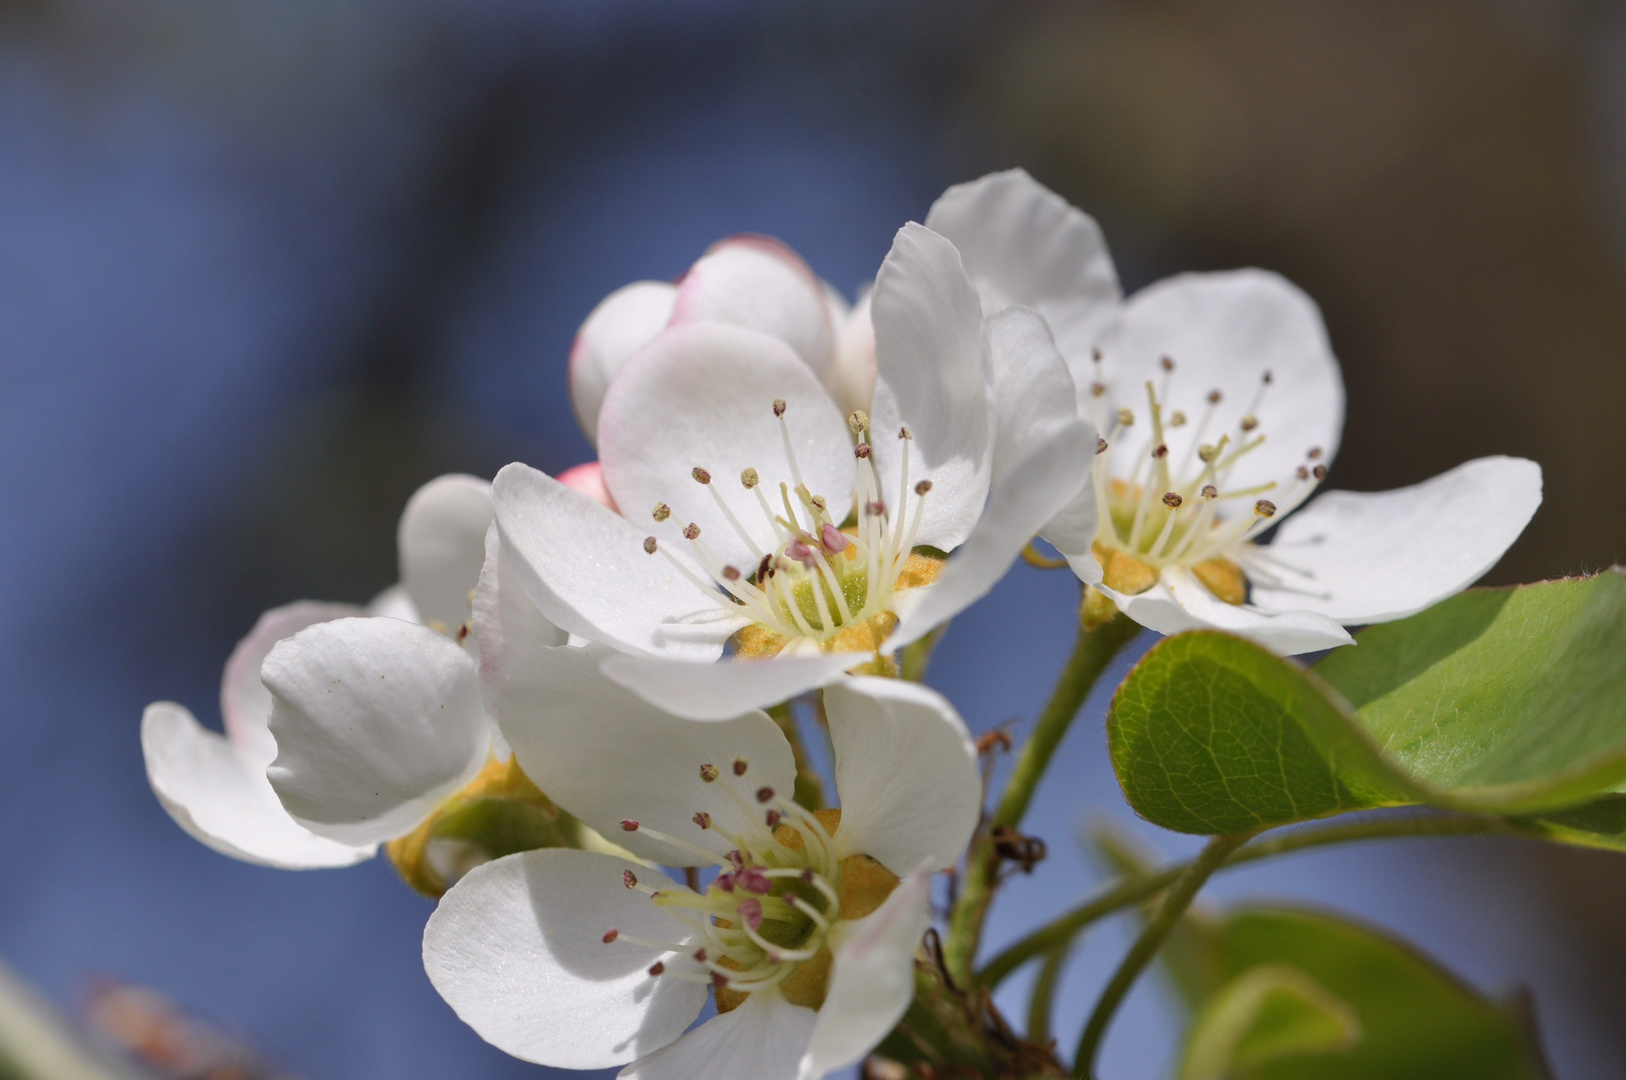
(442, 545)
(1179, 602)
(588, 478)
(761, 284)
(702, 395)
(508, 626)
(245, 703)
(392, 603)
(517, 950)
(872, 978)
(852, 373)
(218, 794)
(617, 328)
(585, 568)
(1016, 511)
(906, 771)
(1023, 244)
(376, 722)
(720, 690)
(1224, 331)
(763, 1039)
(607, 756)
(929, 378)
(1360, 557)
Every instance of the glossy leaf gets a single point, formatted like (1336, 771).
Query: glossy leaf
(1503, 701)
(1268, 1013)
(1415, 1020)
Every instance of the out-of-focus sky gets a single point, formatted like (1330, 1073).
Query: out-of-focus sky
(266, 268)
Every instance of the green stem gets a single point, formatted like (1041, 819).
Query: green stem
(1168, 912)
(1091, 654)
(1132, 890)
(1044, 993)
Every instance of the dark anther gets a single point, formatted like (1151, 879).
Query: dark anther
(764, 794)
(1172, 500)
(1319, 472)
(611, 934)
(701, 476)
(628, 825)
(779, 406)
(702, 819)
(739, 766)
(1100, 445)
(650, 544)
(923, 487)
(691, 531)
(708, 773)
(1011, 846)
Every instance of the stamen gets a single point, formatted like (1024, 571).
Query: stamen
(1265, 508)
(708, 773)
(651, 545)
(749, 478)
(611, 934)
(662, 511)
(701, 476)
(740, 766)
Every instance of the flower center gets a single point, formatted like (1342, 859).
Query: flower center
(765, 918)
(1156, 512)
(825, 579)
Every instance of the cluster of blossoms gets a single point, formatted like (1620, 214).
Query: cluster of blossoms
(567, 691)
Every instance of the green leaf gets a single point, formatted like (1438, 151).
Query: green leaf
(1265, 1014)
(1600, 824)
(1502, 701)
(1415, 1021)
(1511, 699)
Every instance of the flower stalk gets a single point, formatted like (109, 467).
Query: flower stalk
(1092, 652)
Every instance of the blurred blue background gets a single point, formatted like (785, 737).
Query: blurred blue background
(266, 268)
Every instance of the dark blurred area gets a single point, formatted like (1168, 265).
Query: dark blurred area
(264, 269)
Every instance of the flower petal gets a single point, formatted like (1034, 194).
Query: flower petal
(617, 328)
(585, 568)
(442, 545)
(872, 978)
(392, 603)
(1223, 331)
(508, 626)
(517, 950)
(1024, 244)
(218, 793)
(762, 1039)
(728, 688)
(1179, 602)
(376, 722)
(929, 378)
(852, 372)
(906, 771)
(702, 396)
(245, 703)
(759, 283)
(588, 478)
(608, 756)
(1042, 460)
(1360, 557)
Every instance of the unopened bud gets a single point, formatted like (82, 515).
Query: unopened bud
(701, 476)
(857, 421)
(708, 773)
(923, 487)
(650, 544)
(691, 531)
(1265, 508)
(779, 406)
(1172, 500)
(1250, 422)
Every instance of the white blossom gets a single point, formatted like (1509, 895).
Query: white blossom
(1220, 407)
(808, 924)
